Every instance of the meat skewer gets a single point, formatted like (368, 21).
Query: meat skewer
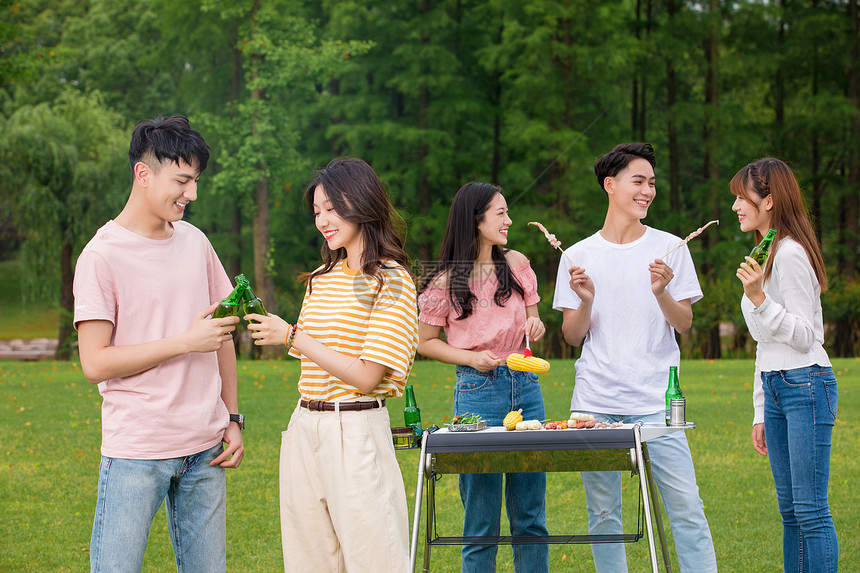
(692, 235)
(556, 244)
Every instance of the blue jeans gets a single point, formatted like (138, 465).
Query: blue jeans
(492, 395)
(672, 468)
(130, 493)
(799, 410)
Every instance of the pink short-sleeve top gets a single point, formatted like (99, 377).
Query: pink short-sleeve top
(500, 329)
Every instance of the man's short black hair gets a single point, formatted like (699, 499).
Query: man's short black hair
(168, 138)
(619, 158)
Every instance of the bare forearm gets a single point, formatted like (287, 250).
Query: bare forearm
(364, 375)
(229, 377)
(679, 314)
(576, 323)
(438, 349)
(106, 363)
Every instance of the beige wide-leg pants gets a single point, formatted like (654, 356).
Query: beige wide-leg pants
(343, 503)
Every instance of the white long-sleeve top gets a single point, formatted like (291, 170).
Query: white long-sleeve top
(788, 326)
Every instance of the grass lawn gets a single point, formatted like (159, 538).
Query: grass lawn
(19, 319)
(51, 434)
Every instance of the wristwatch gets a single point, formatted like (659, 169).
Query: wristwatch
(239, 419)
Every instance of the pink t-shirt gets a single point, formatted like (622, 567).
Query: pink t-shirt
(152, 289)
(500, 329)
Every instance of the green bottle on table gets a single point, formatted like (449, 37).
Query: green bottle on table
(760, 251)
(229, 306)
(253, 303)
(672, 392)
(411, 413)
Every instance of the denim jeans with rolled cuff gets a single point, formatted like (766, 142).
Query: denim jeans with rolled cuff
(130, 494)
(492, 395)
(672, 468)
(799, 411)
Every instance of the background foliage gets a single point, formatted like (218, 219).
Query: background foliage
(434, 93)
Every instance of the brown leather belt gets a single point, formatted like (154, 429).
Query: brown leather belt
(323, 406)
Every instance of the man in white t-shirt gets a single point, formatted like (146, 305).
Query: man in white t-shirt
(144, 285)
(623, 305)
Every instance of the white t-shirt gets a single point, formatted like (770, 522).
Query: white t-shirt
(626, 355)
(152, 289)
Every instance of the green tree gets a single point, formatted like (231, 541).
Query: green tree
(63, 167)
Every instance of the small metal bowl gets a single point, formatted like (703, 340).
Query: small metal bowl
(467, 427)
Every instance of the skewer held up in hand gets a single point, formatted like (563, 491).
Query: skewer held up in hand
(556, 244)
(692, 235)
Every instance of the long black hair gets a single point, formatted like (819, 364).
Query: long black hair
(359, 197)
(460, 250)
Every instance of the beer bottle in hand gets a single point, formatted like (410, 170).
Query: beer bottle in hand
(760, 251)
(411, 413)
(253, 303)
(673, 391)
(230, 305)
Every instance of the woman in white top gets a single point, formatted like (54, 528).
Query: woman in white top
(795, 394)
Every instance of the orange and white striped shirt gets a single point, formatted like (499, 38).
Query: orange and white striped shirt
(347, 311)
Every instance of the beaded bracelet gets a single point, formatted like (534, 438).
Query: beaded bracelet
(290, 336)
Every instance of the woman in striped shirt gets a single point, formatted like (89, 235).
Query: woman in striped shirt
(342, 499)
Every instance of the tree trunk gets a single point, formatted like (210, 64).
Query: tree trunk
(235, 263)
(425, 247)
(334, 90)
(65, 336)
(634, 112)
(847, 335)
(779, 84)
(558, 169)
(815, 159)
(672, 133)
(264, 286)
(496, 164)
(711, 343)
(852, 195)
(643, 88)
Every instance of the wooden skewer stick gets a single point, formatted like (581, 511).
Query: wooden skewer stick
(556, 244)
(692, 235)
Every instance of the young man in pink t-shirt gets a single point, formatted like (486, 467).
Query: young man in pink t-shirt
(144, 286)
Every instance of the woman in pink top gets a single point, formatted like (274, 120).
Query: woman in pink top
(485, 298)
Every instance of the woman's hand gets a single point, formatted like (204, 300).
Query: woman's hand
(269, 330)
(535, 328)
(758, 439)
(484, 361)
(752, 277)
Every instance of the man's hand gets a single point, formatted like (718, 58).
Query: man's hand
(661, 275)
(581, 284)
(208, 334)
(232, 455)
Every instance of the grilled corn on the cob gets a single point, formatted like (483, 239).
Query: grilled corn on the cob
(527, 363)
(511, 419)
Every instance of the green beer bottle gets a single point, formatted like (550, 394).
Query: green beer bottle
(229, 306)
(411, 413)
(760, 251)
(673, 391)
(253, 303)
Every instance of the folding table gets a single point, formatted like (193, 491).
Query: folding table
(496, 450)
